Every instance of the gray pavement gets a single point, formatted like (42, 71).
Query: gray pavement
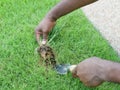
(105, 16)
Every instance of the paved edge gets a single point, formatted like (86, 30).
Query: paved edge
(105, 16)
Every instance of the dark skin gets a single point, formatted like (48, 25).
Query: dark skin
(62, 8)
(94, 71)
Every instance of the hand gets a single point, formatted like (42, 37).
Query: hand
(43, 30)
(92, 72)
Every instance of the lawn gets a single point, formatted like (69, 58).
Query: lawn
(75, 39)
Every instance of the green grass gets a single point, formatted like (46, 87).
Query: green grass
(76, 40)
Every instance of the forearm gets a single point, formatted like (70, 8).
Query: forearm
(114, 73)
(67, 6)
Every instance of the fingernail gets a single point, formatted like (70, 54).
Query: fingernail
(43, 42)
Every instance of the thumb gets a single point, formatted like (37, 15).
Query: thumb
(45, 37)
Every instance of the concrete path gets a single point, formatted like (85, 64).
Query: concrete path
(105, 15)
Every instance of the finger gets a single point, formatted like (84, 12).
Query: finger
(45, 37)
(38, 33)
(44, 42)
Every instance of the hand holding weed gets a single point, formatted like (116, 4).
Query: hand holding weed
(61, 9)
(43, 29)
